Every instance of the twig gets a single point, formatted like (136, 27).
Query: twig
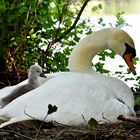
(105, 118)
(71, 131)
(59, 134)
(60, 124)
(29, 115)
(136, 93)
(109, 134)
(13, 63)
(2, 83)
(75, 22)
(129, 119)
(41, 126)
(78, 131)
(27, 17)
(21, 135)
(131, 130)
(57, 39)
(84, 119)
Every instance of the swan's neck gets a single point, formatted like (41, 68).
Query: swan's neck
(81, 57)
(33, 81)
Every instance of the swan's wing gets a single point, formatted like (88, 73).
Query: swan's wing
(111, 110)
(74, 95)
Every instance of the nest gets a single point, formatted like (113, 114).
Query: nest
(122, 130)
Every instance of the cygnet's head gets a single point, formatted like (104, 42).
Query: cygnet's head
(35, 72)
(123, 44)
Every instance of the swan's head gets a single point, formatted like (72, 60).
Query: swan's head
(35, 72)
(123, 44)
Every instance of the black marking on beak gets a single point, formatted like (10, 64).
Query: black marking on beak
(128, 56)
(129, 50)
(43, 75)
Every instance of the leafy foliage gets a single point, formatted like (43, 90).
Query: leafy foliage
(100, 67)
(34, 31)
(96, 8)
(120, 20)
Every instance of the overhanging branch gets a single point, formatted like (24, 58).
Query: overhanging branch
(71, 27)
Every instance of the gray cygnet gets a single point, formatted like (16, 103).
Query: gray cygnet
(33, 82)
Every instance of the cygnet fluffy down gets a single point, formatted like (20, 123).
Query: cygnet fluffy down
(33, 82)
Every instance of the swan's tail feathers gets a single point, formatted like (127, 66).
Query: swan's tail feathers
(15, 120)
(131, 108)
(114, 108)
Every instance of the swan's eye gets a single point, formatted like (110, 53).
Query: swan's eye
(38, 71)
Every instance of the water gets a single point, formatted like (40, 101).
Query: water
(110, 7)
(131, 16)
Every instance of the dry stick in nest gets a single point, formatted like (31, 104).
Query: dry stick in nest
(69, 130)
(106, 120)
(40, 127)
(129, 119)
(136, 93)
(12, 132)
(40, 124)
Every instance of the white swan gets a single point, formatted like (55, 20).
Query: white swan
(33, 82)
(77, 94)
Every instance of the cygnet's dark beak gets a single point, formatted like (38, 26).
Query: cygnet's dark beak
(43, 75)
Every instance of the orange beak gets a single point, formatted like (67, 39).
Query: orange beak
(129, 61)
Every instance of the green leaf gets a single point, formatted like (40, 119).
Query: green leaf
(92, 124)
(121, 66)
(51, 109)
(96, 8)
(68, 22)
(137, 101)
(22, 9)
(120, 22)
(100, 67)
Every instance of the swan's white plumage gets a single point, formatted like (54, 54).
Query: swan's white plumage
(77, 94)
(72, 99)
